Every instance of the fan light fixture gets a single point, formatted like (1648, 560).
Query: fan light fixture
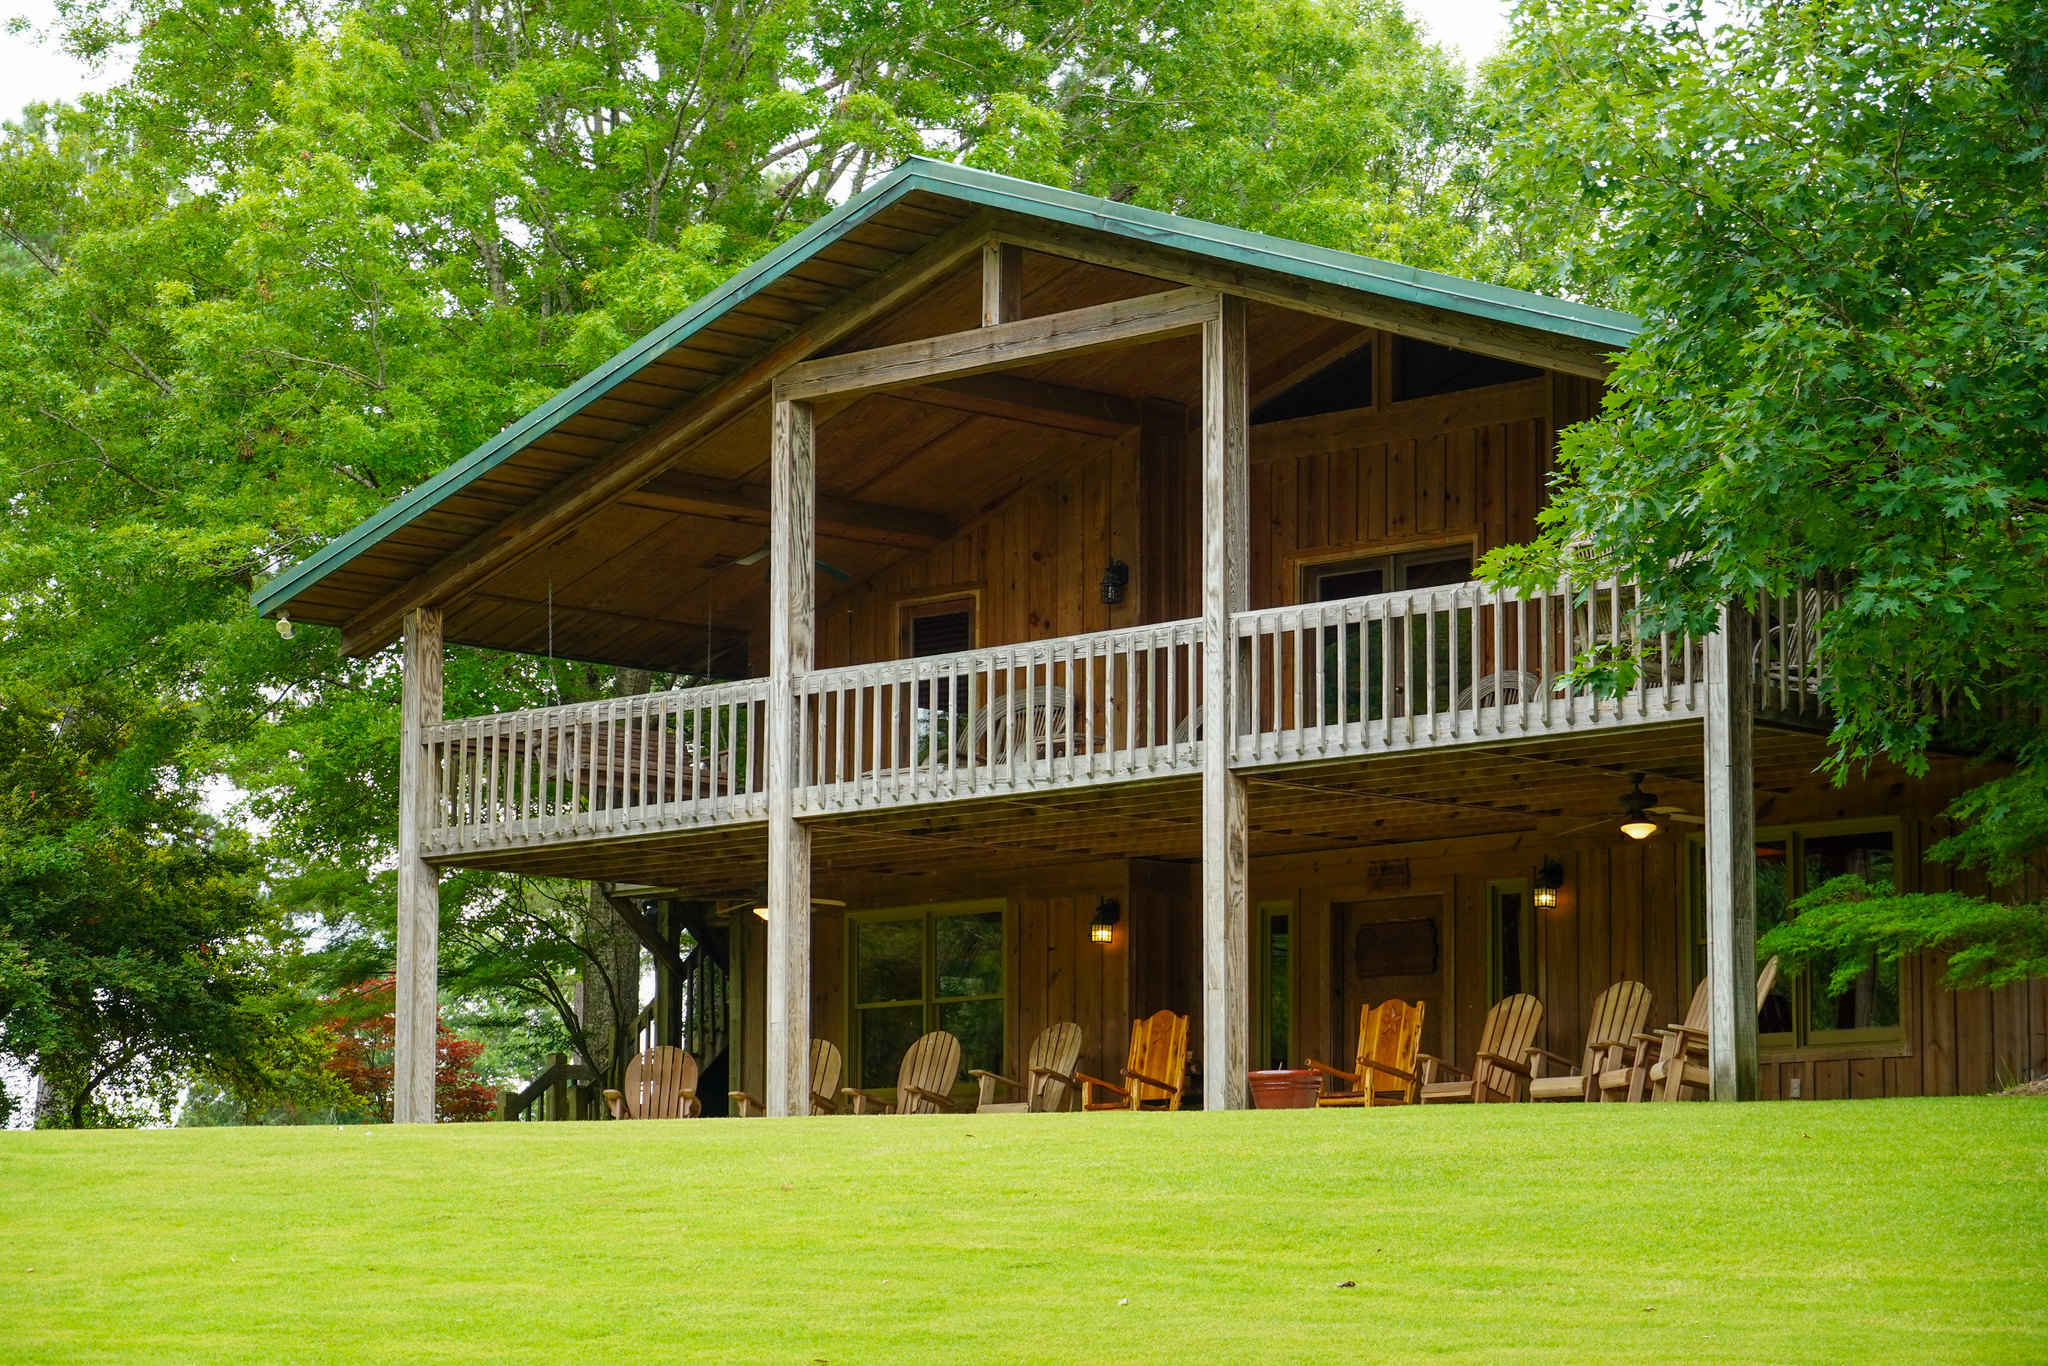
(762, 911)
(1545, 884)
(1102, 929)
(1636, 821)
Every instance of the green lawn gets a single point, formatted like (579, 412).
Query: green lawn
(1854, 1232)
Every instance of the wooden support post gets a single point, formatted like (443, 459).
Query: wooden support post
(1731, 860)
(1002, 283)
(417, 1011)
(791, 629)
(1226, 931)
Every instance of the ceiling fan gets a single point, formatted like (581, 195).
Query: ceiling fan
(1639, 812)
(832, 569)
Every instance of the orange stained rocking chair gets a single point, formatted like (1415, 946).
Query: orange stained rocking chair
(825, 1068)
(660, 1084)
(1156, 1073)
(923, 1082)
(1384, 1070)
(1619, 1014)
(1501, 1064)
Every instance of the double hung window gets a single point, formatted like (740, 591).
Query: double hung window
(1804, 1009)
(915, 971)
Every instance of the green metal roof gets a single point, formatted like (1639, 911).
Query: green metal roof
(1428, 288)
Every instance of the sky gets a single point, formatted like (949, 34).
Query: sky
(33, 71)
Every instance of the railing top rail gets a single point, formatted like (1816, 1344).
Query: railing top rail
(680, 699)
(1185, 629)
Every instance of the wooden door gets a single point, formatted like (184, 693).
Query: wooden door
(1390, 947)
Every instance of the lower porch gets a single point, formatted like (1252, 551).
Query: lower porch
(1403, 876)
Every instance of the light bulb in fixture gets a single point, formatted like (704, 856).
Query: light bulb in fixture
(1102, 929)
(1549, 877)
(1636, 822)
(1640, 829)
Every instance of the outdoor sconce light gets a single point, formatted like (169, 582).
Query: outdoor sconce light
(1114, 580)
(1636, 821)
(284, 625)
(1103, 927)
(1548, 879)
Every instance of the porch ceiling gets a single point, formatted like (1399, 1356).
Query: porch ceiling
(636, 582)
(1557, 788)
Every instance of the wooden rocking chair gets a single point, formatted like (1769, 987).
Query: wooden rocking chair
(825, 1070)
(922, 1082)
(1619, 1014)
(660, 1084)
(1156, 1073)
(1501, 1063)
(1384, 1071)
(1048, 1074)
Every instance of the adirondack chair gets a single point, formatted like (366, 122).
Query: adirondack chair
(660, 1084)
(1630, 1080)
(825, 1069)
(1681, 1065)
(1156, 1073)
(1048, 1074)
(922, 1082)
(1619, 1014)
(1384, 1071)
(1501, 1063)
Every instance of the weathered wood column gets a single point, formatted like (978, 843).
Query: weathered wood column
(1731, 859)
(792, 609)
(417, 1015)
(1226, 492)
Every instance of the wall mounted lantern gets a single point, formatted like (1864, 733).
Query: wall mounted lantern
(1102, 928)
(1114, 580)
(1545, 885)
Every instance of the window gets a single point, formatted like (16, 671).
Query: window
(1276, 985)
(945, 627)
(1340, 386)
(1424, 370)
(1510, 940)
(917, 971)
(1804, 1010)
(1353, 663)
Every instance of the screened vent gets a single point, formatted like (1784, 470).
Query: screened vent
(942, 633)
(1338, 387)
(1424, 370)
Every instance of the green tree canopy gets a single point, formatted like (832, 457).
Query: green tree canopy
(1832, 219)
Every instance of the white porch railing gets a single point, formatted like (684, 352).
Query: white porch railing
(1113, 706)
(1439, 666)
(657, 761)
(1396, 671)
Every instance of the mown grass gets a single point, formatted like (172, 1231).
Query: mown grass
(1850, 1232)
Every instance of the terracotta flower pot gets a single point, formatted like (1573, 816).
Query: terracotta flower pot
(1285, 1088)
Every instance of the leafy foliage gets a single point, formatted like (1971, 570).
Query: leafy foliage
(133, 949)
(1832, 220)
(1845, 921)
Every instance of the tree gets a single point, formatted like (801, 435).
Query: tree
(363, 1029)
(133, 950)
(1832, 220)
(308, 255)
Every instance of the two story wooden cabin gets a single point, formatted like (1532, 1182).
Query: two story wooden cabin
(1093, 592)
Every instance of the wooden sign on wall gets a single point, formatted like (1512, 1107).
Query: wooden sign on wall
(1387, 875)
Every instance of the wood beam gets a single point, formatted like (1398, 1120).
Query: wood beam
(1731, 861)
(839, 519)
(1524, 344)
(417, 1009)
(1226, 577)
(792, 614)
(1000, 346)
(1518, 401)
(1002, 283)
(599, 485)
(1028, 400)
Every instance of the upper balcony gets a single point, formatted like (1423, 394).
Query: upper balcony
(1317, 683)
